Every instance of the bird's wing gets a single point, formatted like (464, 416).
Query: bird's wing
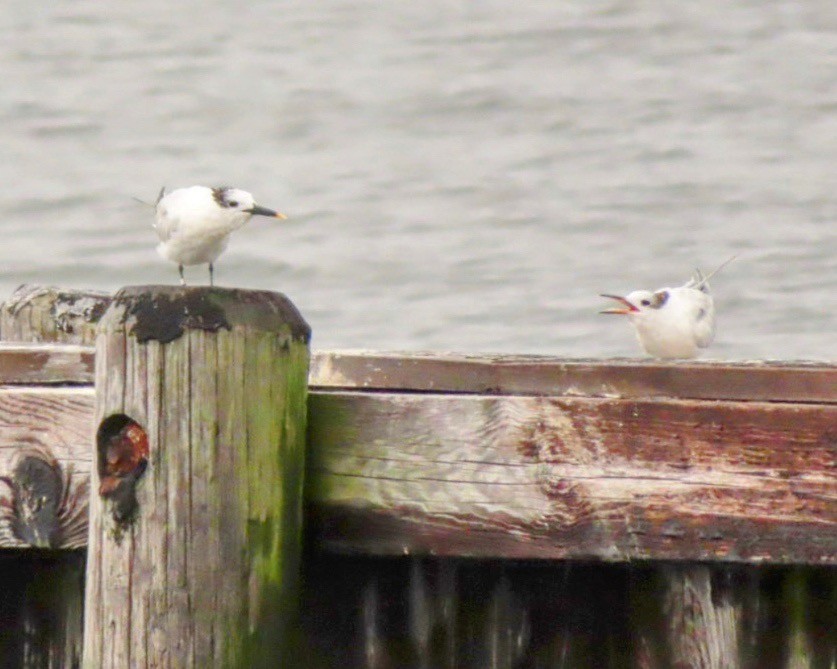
(698, 282)
(704, 316)
(165, 224)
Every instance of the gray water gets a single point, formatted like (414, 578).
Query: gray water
(459, 175)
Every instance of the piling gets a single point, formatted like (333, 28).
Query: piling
(41, 612)
(196, 490)
(35, 313)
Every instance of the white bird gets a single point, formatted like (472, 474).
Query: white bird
(672, 322)
(194, 224)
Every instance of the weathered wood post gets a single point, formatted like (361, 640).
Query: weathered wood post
(43, 596)
(196, 495)
(48, 314)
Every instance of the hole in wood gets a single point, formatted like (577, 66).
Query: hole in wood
(122, 456)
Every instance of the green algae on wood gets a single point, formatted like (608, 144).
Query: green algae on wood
(209, 568)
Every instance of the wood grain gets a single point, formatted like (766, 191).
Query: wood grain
(530, 477)
(55, 364)
(646, 475)
(36, 313)
(52, 423)
(205, 574)
(47, 448)
(541, 375)
(703, 629)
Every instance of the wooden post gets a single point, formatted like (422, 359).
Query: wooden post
(49, 314)
(196, 495)
(703, 618)
(48, 592)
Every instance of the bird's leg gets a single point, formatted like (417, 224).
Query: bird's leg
(182, 278)
(211, 275)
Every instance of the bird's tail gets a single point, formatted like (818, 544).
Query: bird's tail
(700, 282)
(149, 204)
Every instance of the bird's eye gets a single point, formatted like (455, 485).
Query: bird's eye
(646, 303)
(660, 298)
(232, 203)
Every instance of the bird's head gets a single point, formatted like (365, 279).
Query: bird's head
(638, 304)
(241, 203)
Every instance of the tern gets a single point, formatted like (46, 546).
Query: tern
(672, 322)
(194, 224)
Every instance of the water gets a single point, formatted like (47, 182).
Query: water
(460, 175)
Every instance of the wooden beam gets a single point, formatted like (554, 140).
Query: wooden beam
(499, 375)
(577, 478)
(524, 476)
(540, 375)
(30, 364)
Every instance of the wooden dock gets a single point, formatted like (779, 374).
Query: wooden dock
(460, 511)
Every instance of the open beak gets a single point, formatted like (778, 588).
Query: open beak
(628, 308)
(256, 210)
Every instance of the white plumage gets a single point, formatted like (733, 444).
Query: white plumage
(194, 224)
(671, 322)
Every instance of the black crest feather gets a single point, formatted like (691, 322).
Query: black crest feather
(219, 194)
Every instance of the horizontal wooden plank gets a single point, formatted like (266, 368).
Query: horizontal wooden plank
(46, 364)
(501, 476)
(546, 376)
(612, 479)
(45, 456)
(495, 375)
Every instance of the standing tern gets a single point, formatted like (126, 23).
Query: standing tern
(194, 224)
(672, 322)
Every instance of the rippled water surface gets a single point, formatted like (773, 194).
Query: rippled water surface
(458, 175)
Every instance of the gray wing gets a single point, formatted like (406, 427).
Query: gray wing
(704, 320)
(165, 224)
(698, 282)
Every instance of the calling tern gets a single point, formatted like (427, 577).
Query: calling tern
(672, 322)
(194, 224)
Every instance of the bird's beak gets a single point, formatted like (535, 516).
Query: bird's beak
(256, 210)
(627, 309)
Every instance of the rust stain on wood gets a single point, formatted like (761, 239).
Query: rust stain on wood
(46, 364)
